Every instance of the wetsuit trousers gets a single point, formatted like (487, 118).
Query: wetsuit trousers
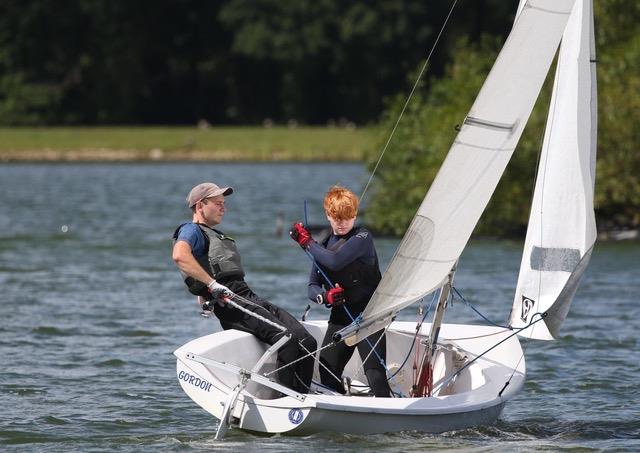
(297, 376)
(336, 357)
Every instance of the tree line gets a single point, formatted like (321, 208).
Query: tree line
(81, 62)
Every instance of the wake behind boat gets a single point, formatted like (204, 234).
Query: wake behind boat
(466, 373)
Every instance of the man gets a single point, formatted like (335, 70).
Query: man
(348, 257)
(210, 264)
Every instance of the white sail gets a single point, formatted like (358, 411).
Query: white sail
(562, 227)
(468, 177)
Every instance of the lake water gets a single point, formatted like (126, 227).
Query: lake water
(92, 309)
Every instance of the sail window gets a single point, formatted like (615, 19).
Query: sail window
(554, 259)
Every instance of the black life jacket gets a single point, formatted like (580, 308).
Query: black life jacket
(358, 278)
(222, 260)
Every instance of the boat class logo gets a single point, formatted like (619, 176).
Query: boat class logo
(295, 416)
(194, 380)
(527, 305)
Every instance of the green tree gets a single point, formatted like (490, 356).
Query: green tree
(232, 61)
(618, 165)
(338, 58)
(101, 61)
(426, 133)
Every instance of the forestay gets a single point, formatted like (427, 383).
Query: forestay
(562, 227)
(468, 177)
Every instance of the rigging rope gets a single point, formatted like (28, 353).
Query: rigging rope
(373, 349)
(515, 332)
(418, 326)
(415, 86)
(293, 362)
(474, 309)
(445, 381)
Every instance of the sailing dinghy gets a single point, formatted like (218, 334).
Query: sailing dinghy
(467, 372)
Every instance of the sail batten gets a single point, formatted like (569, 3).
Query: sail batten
(479, 154)
(487, 123)
(472, 146)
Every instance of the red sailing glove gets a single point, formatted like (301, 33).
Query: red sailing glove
(332, 298)
(300, 234)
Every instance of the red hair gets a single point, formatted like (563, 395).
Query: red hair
(340, 203)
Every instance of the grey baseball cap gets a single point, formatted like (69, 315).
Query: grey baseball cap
(206, 190)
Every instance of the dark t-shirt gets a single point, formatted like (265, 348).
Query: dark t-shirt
(193, 235)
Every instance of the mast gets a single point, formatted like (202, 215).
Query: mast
(424, 384)
(438, 316)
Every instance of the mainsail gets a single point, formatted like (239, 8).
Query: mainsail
(562, 227)
(468, 177)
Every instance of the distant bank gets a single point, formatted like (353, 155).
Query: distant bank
(113, 144)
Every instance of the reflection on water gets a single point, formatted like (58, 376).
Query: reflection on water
(93, 308)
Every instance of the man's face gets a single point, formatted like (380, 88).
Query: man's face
(212, 210)
(341, 227)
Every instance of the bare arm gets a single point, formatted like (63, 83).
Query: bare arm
(185, 261)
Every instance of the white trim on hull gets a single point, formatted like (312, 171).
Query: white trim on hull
(472, 399)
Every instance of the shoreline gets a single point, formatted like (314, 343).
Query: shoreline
(158, 155)
(175, 143)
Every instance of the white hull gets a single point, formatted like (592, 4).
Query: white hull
(475, 397)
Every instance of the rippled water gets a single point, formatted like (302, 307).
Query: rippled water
(92, 309)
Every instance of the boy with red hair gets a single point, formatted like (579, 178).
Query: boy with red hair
(348, 257)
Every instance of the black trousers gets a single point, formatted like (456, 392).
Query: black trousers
(336, 357)
(298, 376)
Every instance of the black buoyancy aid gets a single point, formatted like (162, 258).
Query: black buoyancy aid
(359, 280)
(222, 260)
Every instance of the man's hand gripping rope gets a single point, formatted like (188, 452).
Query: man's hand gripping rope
(224, 295)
